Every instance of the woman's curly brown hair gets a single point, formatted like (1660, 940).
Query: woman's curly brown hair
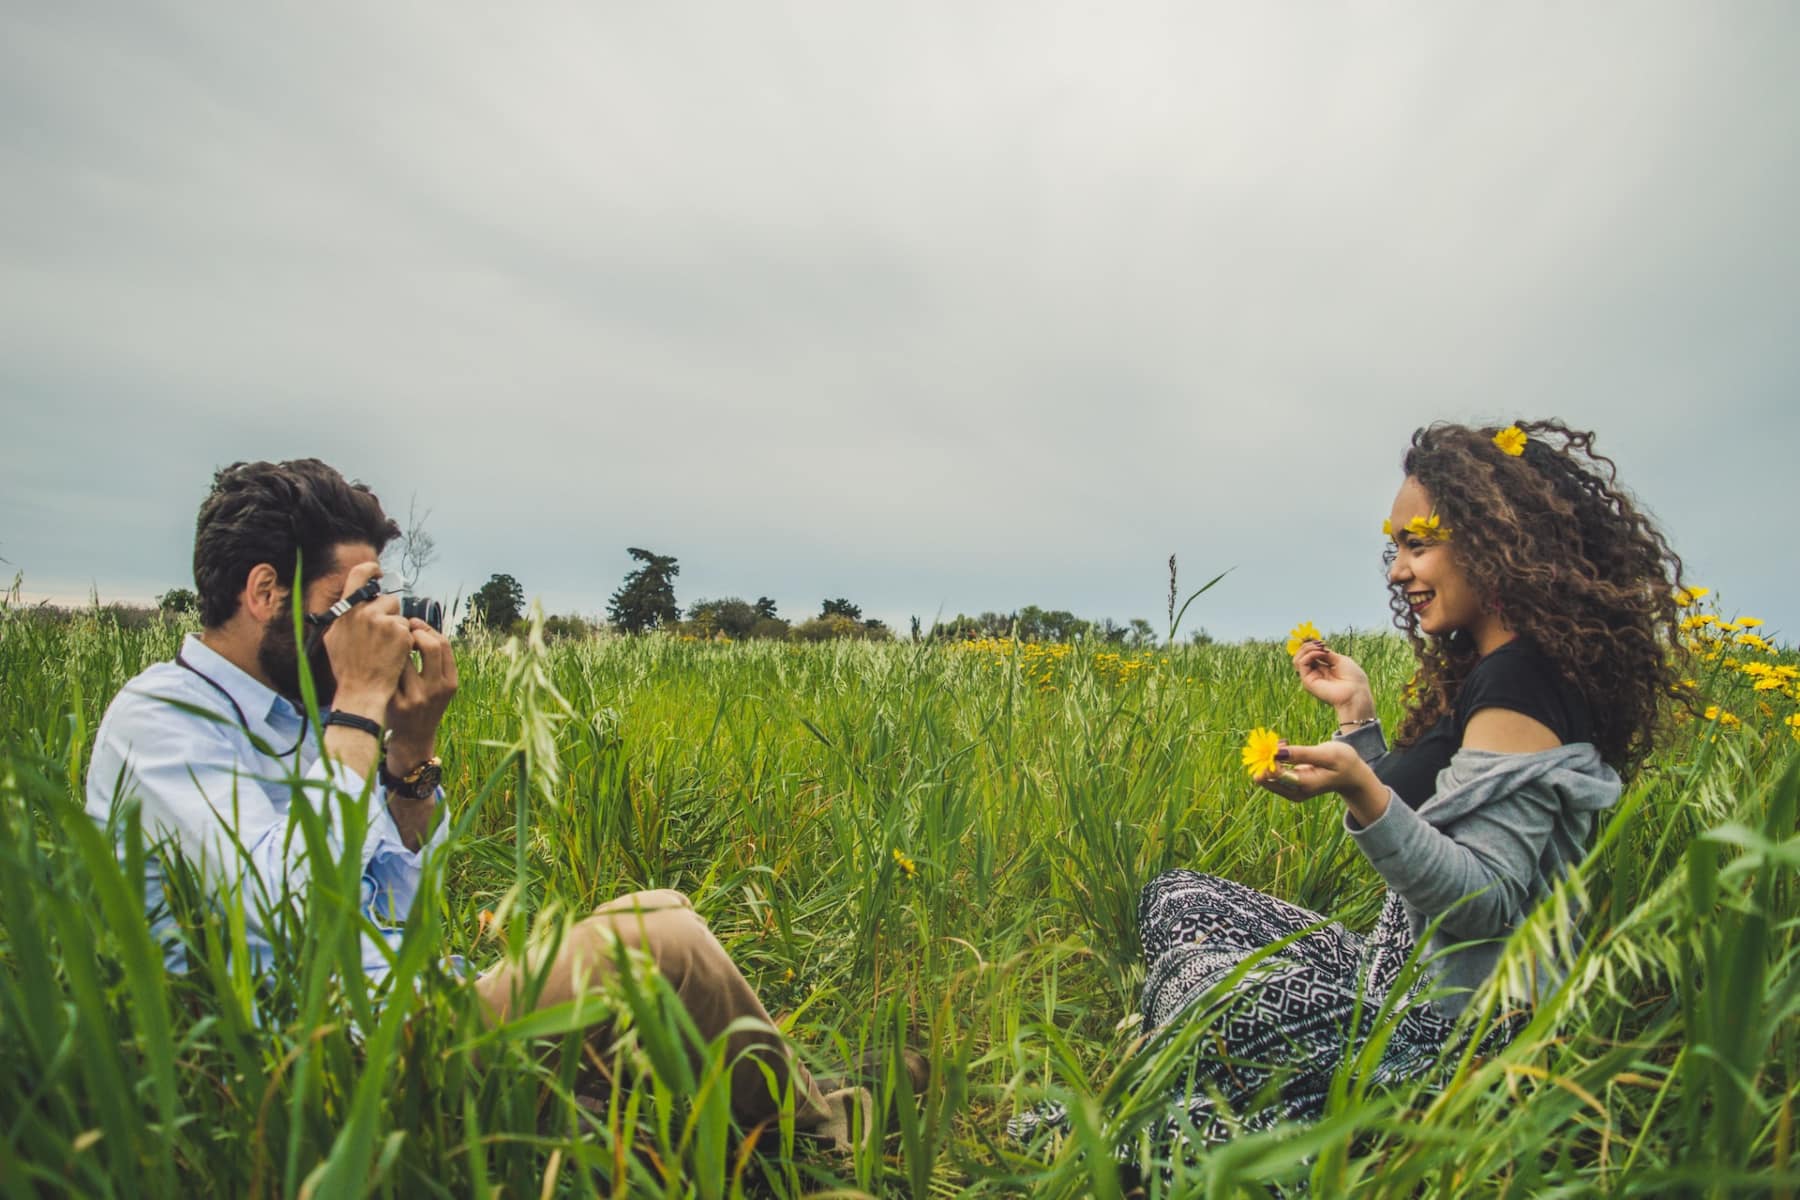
(1551, 538)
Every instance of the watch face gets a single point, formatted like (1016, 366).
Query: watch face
(421, 782)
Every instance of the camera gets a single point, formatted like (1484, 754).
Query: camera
(425, 608)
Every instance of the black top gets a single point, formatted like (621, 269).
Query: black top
(1518, 677)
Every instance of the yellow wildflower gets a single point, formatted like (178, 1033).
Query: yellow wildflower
(907, 866)
(1749, 622)
(1259, 751)
(1688, 596)
(1301, 634)
(1511, 441)
(1715, 713)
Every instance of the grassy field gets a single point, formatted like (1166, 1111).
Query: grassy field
(940, 844)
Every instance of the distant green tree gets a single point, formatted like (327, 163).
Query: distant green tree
(497, 604)
(1029, 624)
(558, 628)
(178, 600)
(765, 607)
(731, 616)
(840, 608)
(837, 625)
(646, 599)
(1142, 634)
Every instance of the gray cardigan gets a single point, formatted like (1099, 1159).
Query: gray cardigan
(1497, 833)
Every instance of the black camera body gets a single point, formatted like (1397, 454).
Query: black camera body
(423, 607)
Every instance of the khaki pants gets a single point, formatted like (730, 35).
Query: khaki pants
(664, 925)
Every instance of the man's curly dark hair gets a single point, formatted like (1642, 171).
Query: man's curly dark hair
(265, 512)
(1572, 563)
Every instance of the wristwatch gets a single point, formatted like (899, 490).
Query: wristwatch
(417, 784)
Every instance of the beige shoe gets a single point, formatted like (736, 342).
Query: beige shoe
(850, 1121)
(869, 1068)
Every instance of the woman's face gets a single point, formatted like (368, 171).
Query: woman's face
(1426, 572)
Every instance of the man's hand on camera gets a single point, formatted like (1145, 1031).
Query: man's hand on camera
(367, 646)
(419, 701)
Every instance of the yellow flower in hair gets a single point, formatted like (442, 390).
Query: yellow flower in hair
(1301, 634)
(1428, 529)
(1387, 527)
(1511, 441)
(1259, 751)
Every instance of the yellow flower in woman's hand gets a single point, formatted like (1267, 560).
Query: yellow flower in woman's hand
(1301, 634)
(1428, 529)
(1511, 441)
(1259, 751)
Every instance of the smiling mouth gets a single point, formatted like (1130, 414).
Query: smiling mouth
(1419, 600)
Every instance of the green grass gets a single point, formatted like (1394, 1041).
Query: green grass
(774, 783)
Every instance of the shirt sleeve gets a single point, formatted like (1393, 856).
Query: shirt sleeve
(1367, 740)
(1478, 879)
(1516, 683)
(196, 790)
(393, 869)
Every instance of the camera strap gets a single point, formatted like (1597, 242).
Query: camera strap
(262, 747)
(367, 591)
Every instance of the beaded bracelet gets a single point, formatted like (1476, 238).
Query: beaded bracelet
(1345, 725)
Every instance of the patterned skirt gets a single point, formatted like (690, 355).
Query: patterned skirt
(1276, 1039)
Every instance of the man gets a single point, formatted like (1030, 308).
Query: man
(210, 744)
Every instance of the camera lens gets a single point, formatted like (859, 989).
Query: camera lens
(426, 609)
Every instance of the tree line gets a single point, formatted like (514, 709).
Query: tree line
(645, 601)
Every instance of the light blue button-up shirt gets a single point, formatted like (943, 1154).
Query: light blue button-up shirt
(206, 786)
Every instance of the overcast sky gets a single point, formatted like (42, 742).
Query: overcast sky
(937, 307)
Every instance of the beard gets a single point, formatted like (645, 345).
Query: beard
(279, 657)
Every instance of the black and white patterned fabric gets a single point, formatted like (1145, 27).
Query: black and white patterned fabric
(1285, 1026)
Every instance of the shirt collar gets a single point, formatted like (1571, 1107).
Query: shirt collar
(259, 701)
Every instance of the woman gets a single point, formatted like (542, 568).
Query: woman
(1540, 605)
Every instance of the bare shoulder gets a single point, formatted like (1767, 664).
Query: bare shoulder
(1508, 732)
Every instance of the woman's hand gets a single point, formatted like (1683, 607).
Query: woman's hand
(1337, 680)
(1309, 771)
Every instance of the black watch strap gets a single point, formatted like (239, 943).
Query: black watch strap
(353, 721)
